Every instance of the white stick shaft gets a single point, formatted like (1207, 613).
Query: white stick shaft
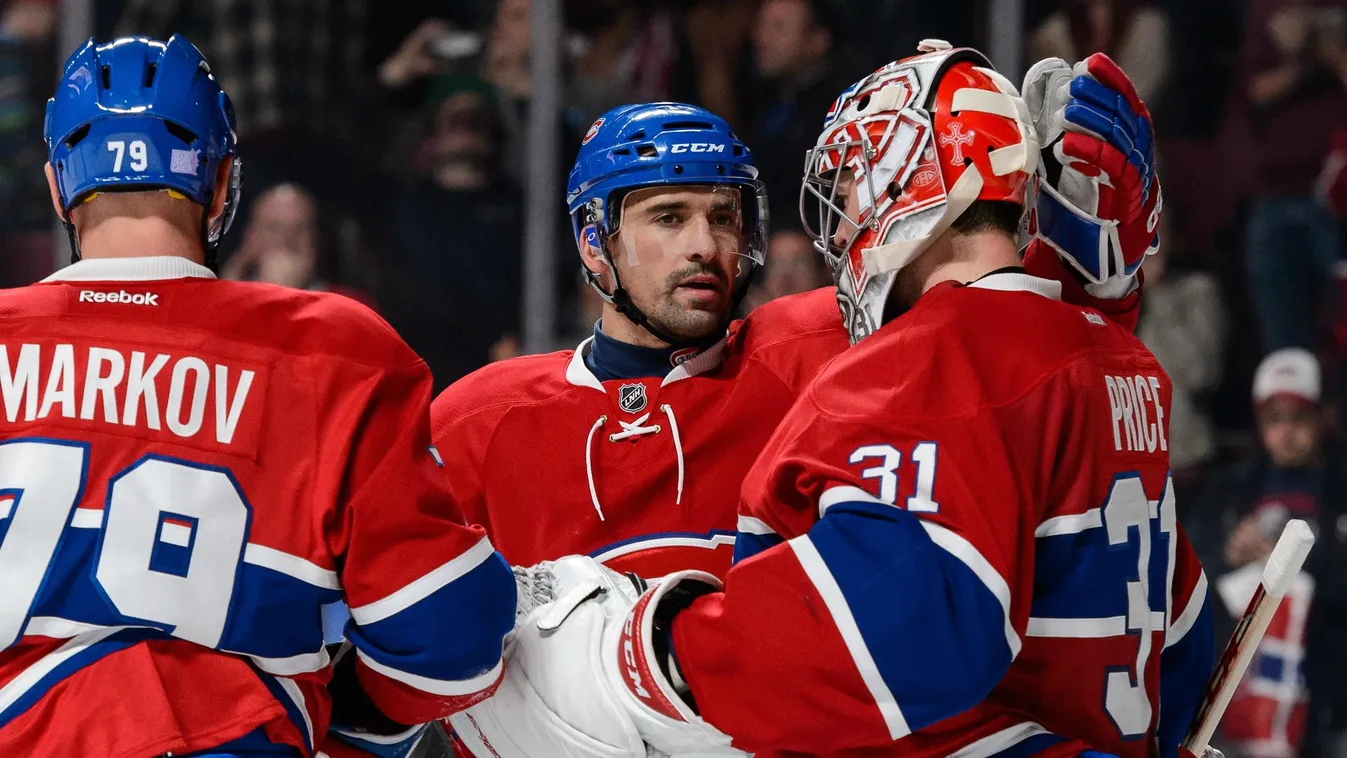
(1199, 736)
(1285, 562)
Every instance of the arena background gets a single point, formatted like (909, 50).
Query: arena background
(413, 155)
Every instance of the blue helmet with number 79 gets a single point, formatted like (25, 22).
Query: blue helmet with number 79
(136, 114)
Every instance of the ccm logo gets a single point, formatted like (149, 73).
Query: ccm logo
(121, 296)
(697, 147)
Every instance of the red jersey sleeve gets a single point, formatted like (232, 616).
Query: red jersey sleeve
(889, 606)
(430, 599)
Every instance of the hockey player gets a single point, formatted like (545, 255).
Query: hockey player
(191, 468)
(631, 448)
(961, 541)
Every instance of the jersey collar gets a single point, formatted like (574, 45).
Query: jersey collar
(1015, 280)
(131, 270)
(579, 375)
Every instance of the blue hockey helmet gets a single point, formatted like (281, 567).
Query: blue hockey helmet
(660, 144)
(138, 114)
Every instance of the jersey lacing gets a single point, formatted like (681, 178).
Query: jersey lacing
(631, 429)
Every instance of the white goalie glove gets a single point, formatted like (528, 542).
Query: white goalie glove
(1098, 199)
(567, 688)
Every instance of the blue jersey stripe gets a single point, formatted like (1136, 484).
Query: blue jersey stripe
(1184, 669)
(300, 720)
(413, 640)
(272, 615)
(747, 545)
(1029, 747)
(1086, 577)
(105, 642)
(936, 632)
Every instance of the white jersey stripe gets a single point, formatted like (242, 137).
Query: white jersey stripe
(750, 525)
(845, 494)
(87, 518)
(1086, 628)
(822, 578)
(1073, 524)
(297, 696)
(16, 687)
(1000, 741)
(435, 686)
(59, 628)
(291, 565)
(422, 588)
(963, 550)
(295, 664)
(636, 546)
(1185, 620)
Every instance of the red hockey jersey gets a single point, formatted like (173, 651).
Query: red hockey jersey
(189, 470)
(976, 514)
(642, 474)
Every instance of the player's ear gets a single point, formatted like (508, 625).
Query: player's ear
(55, 193)
(591, 250)
(221, 194)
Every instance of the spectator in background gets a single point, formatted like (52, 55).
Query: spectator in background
(1298, 472)
(1298, 464)
(452, 282)
(1266, 716)
(793, 265)
(1296, 61)
(1299, 468)
(1135, 34)
(287, 66)
(285, 242)
(27, 76)
(627, 53)
(793, 85)
(1183, 324)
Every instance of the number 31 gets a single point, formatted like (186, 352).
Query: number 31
(923, 455)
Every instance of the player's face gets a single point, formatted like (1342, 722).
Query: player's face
(677, 253)
(1291, 431)
(851, 206)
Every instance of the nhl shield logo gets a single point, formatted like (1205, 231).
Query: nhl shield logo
(631, 398)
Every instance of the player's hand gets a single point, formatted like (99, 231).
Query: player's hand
(553, 699)
(1098, 198)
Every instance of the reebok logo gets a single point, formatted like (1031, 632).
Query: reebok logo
(121, 296)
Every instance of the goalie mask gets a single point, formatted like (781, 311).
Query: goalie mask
(909, 148)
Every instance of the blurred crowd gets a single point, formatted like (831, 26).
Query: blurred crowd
(385, 158)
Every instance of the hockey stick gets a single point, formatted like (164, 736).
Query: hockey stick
(1281, 569)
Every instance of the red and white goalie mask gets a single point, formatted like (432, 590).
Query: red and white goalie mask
(903, 153)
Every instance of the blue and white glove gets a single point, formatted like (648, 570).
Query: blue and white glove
(1098, 198)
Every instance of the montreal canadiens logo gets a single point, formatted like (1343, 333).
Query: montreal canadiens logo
(631, 398)
(593, 130)
(679, 357)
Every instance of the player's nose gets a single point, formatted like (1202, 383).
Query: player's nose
(699, 240)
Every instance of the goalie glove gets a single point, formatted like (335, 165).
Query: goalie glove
(582, 675)
(639, 665)
(1098, 198)
(552, 700)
